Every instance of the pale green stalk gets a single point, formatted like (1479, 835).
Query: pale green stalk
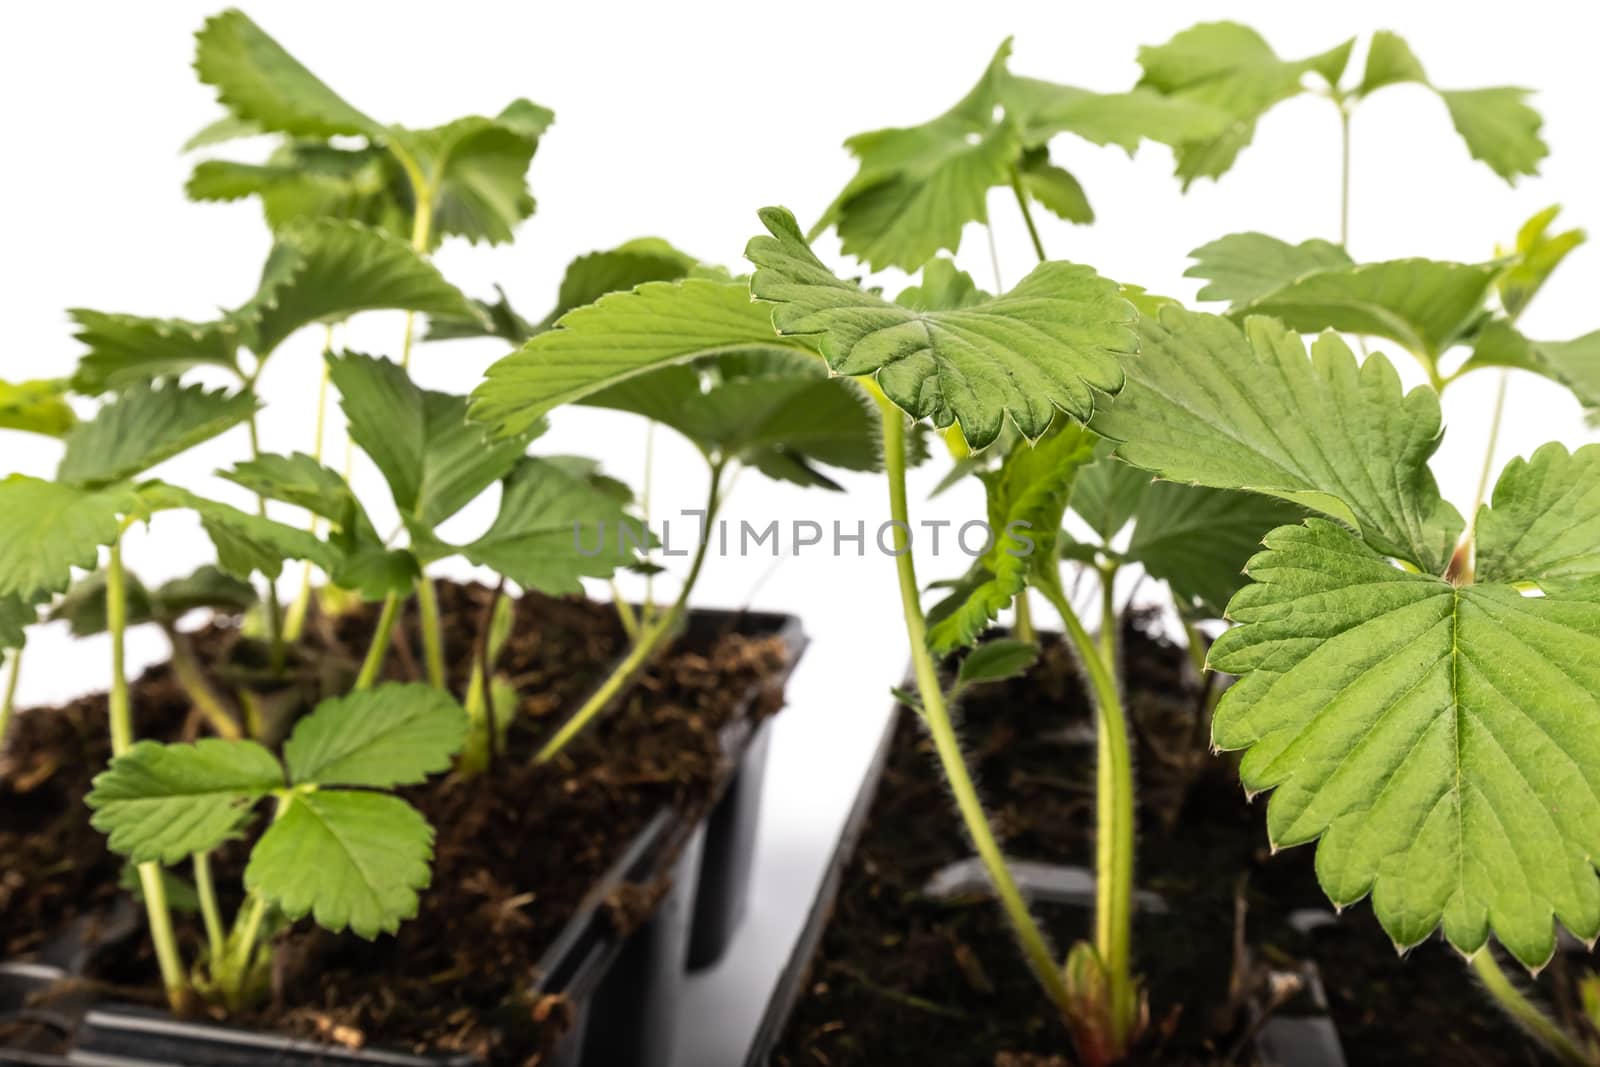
(294, 623)
(1525, 1013)
(8, 702)
(651, 635)
(934, 712)
(372, 666)
(120, 707)
(432, 631)
(205, 890)
(1027, 213)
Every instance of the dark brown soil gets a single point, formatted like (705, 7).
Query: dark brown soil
(903, 979)
(516, 849)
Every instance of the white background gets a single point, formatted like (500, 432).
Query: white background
(679, 121)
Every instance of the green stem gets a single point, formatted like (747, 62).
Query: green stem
(1029, 937)
(1487, 470)
(422, 193)
(197, 687)
(1525, 1013)
(651, 636)
(1022, 627)
(379, 649)
(206, 891)
(120, 706)
(432, 631)
(1027, 214)
(274, 609)
(294, 624)
(994, 258)
(1108, 616)
(1344, 174)
(625, 613)
(1114, 823)
(647, 610)
(247, 928)
(8, 702)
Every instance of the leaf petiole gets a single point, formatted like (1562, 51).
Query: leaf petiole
(1524, 1012)
(9, 700)
(372, 666)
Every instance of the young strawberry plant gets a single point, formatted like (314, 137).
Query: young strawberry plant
(339, 848)
(749, 406)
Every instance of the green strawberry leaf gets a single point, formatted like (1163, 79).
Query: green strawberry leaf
(378, 738)
(263, 85)
(39, 406)
(435, 461)
(1211, 404)
(246, 543)
(1574, 364)
(1423, 305)
(1537, 254)
(349, 859)
(1231, 68)
(1027, 497)
(1544, 522)
(84, 605)
(306, 180)
(1390, 61)
(554, 527)
(145, 425)
(1051, 343)
(161, 803)
(16, 615)
(620, 336)
(304, 482)
(1054, 188)
(995, 661)
(123, 350)
(47, 529)
(1244, 267)
(1438, 739)
(330, 269)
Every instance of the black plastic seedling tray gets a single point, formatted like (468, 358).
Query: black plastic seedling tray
(623, 991)
(1302, 1041)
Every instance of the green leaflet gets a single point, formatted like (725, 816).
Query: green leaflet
(39, 406)
(351, 860)
(620, 336)
(145, 425)
(16, 615)
(52, 528)
(917, 187)
(778, 412)
(161, 803)
(259, 83)
(556, 526)
(1439, 740)
(1544, 523)
(1212, 404)
(1027, 497)
(435, 461)
(1537, 253)
(377, 738)
(330, 269)
(84, 605)
(1051, 343)
(1229, 67)
(995, 661)
(123, 350)
(246, 543)
(1244, 267)
(1194, 538)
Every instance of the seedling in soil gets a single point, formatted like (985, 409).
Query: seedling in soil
(750, 405)
(340, 848)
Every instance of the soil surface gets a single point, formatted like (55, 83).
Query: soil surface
(904, 979)
(516, 849)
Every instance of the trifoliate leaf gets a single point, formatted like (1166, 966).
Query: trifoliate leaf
(1027, 497)
(1230, 67)
(1050, 343)
(47, 529)
(617, 337)
(1423, 305)
(555, 527)
(161, 803)
(1211, 404)
(348, 859)
(378, 738)
(1497, 124)
(1439, 739)
(1244, 267)
(39, 406)
(1574, 364)
(127, 349)
(1544, 524)
(435, 461)
(304, 482)
(145, 425)
(306, 180)
(779, 412)
(330, 269)
(245, 543)
(478, 168)
(1537, 254)
(261, 84)
(995, 661)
